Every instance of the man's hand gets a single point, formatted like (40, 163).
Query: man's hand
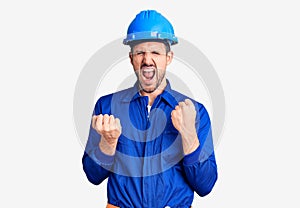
(110, 129)
(183, 119)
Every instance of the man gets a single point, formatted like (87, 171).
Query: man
(152, 143)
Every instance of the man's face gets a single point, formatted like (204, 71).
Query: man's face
(149, 61)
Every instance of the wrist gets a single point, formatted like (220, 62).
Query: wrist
(189, 135)
(191, 148)
(190, 143)
(107, 148)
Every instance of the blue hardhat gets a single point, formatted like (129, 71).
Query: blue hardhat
(150, 25)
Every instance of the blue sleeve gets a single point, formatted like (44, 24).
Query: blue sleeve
(200, 166)
(96, 164)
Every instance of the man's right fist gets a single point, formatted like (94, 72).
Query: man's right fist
(110, 130)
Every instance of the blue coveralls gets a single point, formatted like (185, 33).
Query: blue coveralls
(149, 168)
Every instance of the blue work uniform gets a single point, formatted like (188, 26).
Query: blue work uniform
(149, 168)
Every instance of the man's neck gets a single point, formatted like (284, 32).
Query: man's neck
(155, 93)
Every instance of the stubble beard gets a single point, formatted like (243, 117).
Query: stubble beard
(159, 76)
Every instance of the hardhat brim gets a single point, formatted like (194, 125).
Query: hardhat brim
(150, 36)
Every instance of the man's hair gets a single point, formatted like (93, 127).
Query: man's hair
(165, 42)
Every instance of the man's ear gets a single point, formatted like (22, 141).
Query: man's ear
(131, 57)
(169, 57)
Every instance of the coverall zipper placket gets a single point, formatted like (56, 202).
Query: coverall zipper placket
(148, 189)
(145, 185)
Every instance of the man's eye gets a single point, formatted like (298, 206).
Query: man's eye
(155, 52)
(139, 53)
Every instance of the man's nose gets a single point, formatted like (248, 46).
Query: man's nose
(148, 58)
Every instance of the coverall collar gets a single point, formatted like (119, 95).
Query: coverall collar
(168, 95)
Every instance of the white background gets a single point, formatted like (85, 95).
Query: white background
(253, 45)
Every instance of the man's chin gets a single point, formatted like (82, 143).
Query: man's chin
(148, 88)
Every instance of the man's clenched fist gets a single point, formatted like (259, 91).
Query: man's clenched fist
(110, 129)
(183, 119)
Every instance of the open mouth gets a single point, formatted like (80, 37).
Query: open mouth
(148, 73)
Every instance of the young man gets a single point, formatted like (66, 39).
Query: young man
(153, 143)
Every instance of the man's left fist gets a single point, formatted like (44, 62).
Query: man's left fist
(183, 119)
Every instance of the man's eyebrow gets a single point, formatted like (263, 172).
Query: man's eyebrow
(150, 48)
